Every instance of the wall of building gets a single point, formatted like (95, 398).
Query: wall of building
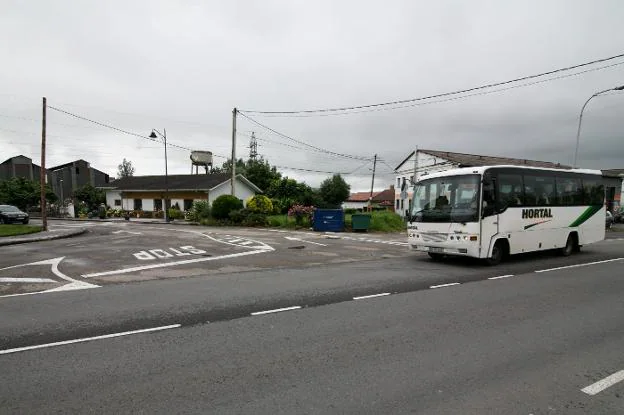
(20, 166)
(354, 205)
(426, 164)
(243, 191)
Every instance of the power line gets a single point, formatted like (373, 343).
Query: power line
(322, 150)
(462, 91)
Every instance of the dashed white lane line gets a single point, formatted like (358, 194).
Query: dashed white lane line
(603, 384)
(581, 265)
(26, 280)
(88, 339)
(364, 297)
(277, 310)
(500, 277)
(445, 285)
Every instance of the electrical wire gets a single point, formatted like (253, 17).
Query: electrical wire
(457, 92)
(322, 150)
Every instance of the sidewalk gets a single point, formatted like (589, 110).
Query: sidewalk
(122, 220)
(41, 236)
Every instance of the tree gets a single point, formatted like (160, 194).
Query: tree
(91, 196)
(24, 193)
(260, 173)
(334, 191)
(125, 169)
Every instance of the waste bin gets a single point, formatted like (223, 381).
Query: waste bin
(328, 220)
(360, 222)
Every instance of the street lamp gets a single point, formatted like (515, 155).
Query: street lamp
(578, 132)
(62, 201)
(164, 137)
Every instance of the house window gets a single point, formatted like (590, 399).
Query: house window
(402, 204)
(397, 204)
(398, 184)
(117, 202)
(157, 204)
(77, 170)
(188, 204)
(138, 204)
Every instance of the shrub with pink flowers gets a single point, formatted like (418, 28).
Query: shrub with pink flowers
(299, 212)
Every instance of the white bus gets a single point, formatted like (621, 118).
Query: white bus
(493, 211)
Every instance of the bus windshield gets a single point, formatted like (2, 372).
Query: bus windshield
(447, 199)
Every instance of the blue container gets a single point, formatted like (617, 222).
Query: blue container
(328, 220)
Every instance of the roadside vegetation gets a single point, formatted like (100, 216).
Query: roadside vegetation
(14, 230)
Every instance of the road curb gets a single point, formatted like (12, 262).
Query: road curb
(40, 238)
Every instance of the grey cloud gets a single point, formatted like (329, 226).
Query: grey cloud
(183, 66)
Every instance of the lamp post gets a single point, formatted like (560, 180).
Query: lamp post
(62, 201)
(578, 132)
(164, 137)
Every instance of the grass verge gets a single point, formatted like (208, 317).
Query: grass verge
(14, 230)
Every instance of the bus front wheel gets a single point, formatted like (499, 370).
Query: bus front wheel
(435, 256)
(571, 246)
(498, 253)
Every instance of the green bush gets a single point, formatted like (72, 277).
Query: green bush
(260, 204)
(200, 210)
(350, 211)
(224, 204)
(174, 213)
(256, 219)
(386, 221)
(238, 216)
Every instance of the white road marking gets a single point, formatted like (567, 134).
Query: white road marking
(364, 297)
(174, 263)
(444, 285)
(277, 310)
(290, 238)
(580, 265)
(130, 232)
(54, 262)
(26, 280)
(260, 246)
(246, 243)
(87, 339)
(605, 383)
(501, 276)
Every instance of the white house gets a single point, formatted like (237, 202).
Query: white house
(147, 193)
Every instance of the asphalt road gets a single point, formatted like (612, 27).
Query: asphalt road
(525, 344)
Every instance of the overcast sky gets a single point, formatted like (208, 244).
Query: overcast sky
(184, 65)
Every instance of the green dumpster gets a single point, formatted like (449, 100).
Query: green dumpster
(360, 222)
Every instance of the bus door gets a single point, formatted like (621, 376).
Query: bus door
(489, 213)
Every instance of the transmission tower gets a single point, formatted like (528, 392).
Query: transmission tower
(253, 147)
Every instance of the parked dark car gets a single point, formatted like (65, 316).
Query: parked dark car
(618, 216)
(10, 214)
(609, 220)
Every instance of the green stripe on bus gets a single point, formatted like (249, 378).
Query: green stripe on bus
(589, 212)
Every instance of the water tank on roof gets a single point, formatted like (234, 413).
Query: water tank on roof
(201, 158)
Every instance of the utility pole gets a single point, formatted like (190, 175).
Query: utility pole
(166, 178)
(370, 198)
(233, 187)
(415, 164)
(253, 146)
(42, 178)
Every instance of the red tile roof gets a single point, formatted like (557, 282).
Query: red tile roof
(361, 196)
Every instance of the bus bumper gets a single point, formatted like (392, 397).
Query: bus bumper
(471, 250)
